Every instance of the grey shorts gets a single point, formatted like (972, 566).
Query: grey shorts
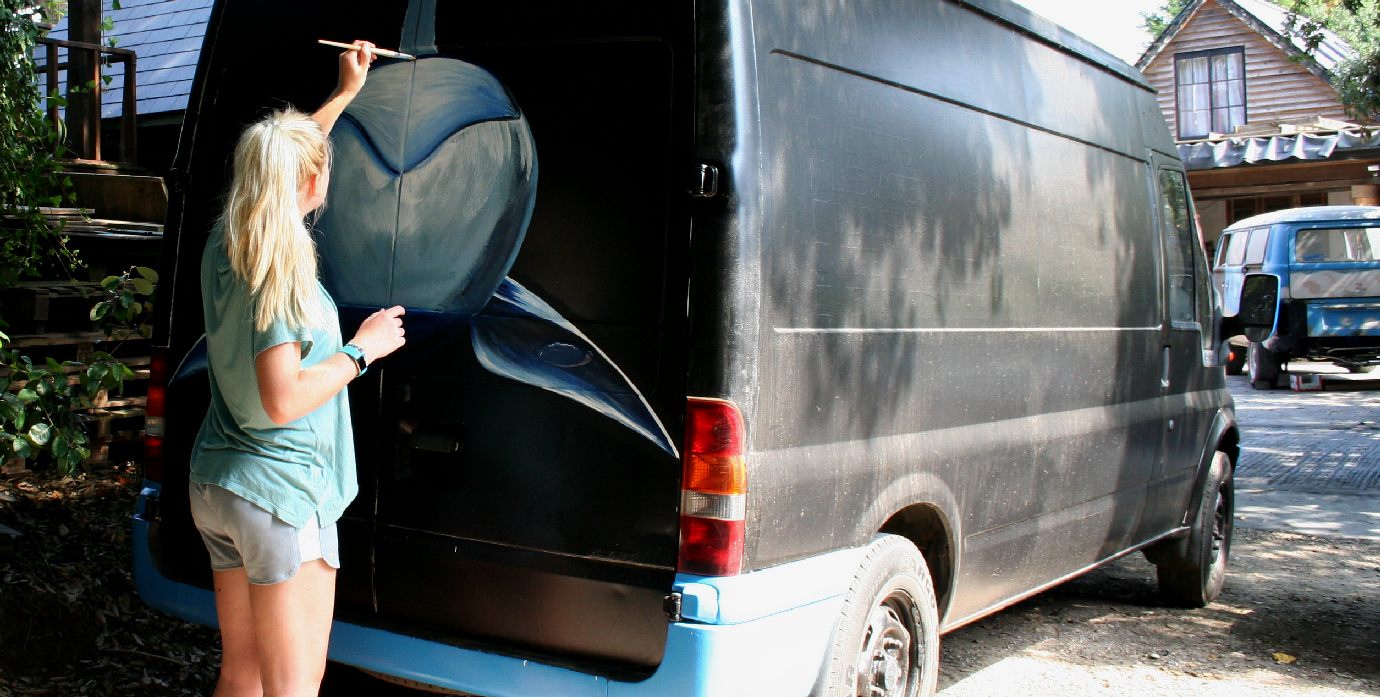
(238, 533)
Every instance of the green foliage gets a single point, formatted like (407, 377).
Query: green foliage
(1156, 22)
(40, 403)
(1358, 84)
(29, 148)
(1357, 22)
(129, 303)
(43, 402)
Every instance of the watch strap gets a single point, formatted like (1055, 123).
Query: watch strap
(357, 355)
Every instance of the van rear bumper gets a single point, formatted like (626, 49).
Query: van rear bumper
(762, 633)
(1338, 317)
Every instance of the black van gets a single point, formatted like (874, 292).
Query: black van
(752, 345)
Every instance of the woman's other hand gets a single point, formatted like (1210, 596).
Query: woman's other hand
(354, 67)
(381, 333)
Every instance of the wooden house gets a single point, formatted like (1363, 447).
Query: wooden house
(1258, 123)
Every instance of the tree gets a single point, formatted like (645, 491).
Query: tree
(1156, 22)
(29, 148)
(1357, 79)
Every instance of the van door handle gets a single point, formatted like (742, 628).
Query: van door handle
(1164, 372)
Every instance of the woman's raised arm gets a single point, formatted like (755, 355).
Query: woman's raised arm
(354, 69)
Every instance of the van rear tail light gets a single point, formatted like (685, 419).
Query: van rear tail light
(154, 411)
(713, 497)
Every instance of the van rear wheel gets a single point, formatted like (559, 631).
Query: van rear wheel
(1263, 366)
(886, 642)
(1191, 572)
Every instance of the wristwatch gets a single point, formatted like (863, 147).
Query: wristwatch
(357, 354)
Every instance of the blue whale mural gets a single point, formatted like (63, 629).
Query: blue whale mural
(432, 189)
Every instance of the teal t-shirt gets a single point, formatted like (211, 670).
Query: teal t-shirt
(302, 468)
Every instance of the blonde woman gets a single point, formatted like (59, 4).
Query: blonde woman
(273, 467)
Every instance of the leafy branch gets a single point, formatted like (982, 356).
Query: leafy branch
(1356, 78)
(29, 150)
(42, 418)
(128, 303)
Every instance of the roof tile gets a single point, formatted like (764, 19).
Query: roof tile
(166, 35)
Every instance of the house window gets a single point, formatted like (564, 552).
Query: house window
(1211, 89)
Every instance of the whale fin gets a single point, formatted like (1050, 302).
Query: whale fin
(519, 336)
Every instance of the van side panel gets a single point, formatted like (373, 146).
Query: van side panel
(960, 278)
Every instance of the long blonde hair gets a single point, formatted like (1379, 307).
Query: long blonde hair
(265, 238)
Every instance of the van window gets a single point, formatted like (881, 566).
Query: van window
(1255, 247)
(1339, 244)
(1236, 251)
(1180, 246)
(1204, 292)
(1222, 245)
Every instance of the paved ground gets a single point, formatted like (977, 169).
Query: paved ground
(1311, 460)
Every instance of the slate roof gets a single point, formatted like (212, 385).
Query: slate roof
(1269, 20)
(166, 35)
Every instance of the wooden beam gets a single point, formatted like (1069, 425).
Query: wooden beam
(1334, 171)
(1209, 193)
(84, 68)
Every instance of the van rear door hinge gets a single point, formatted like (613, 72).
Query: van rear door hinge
(671, 606)
(704, 181)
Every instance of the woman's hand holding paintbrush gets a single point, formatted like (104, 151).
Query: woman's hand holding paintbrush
(376, 50)
(354, 70)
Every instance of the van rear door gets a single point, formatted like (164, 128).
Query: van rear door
(518, 461)
(527, 459)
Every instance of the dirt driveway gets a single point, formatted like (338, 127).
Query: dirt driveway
(1314, 599)
(1300, 616)
(71, 625)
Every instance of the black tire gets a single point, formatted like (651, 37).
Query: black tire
(1263, 366)
(887, 637)
(1192, 573)
(1235, 361)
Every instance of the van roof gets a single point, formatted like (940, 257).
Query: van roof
(1044, 29)
(1310, 214)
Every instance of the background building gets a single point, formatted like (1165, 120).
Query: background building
(1259, 125)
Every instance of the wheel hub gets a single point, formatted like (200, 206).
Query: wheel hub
(885, 658)
(1221, 523)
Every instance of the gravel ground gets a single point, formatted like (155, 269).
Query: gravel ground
(1300, 616)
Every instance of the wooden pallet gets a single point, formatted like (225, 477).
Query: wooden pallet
(80, 220)
(114, 430)
(40, 307)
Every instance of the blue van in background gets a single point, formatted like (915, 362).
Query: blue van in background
(1326, 260)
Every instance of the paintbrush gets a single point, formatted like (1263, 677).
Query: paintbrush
(377, 51)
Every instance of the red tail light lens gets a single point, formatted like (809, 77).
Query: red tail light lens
(713, 489)
(154, 411)
(711, 547)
